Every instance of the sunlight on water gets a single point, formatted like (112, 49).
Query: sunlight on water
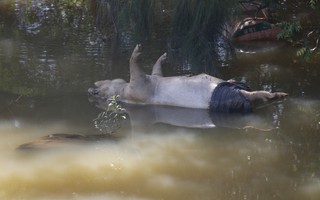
(157, 165)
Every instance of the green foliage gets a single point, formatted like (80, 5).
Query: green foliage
(305, 53)
(304, 32)
(313, 4)
(112, 118)
(290, 30)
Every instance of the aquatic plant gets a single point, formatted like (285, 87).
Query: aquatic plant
(110, 120)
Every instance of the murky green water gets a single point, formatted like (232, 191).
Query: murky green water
(45, 70)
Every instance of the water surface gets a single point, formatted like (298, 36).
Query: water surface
(45, 71)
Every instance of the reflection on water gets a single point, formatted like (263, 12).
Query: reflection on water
(261, 119)
(166, 153)
(158, 161)
(181, 165)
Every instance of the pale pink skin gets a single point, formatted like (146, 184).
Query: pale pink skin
(180, 91)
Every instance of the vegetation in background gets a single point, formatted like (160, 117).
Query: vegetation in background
(310, 50)
(195, 37)
(195, 40)
(290, 30)
(190, 31)
(303, 30)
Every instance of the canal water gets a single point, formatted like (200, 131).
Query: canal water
(46, 67)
